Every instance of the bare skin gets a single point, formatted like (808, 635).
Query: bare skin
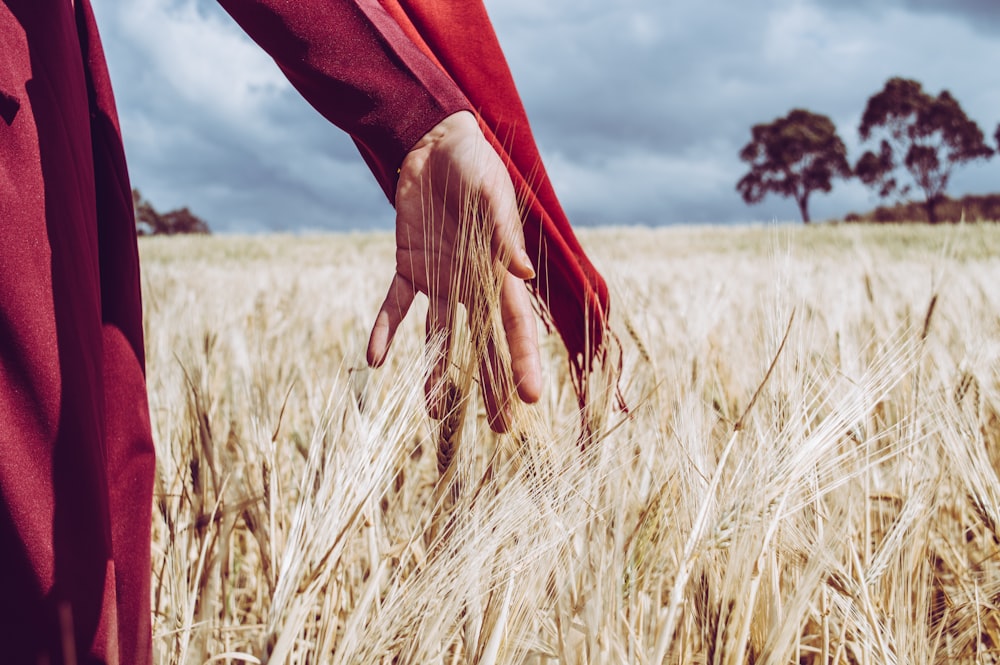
(452, 164)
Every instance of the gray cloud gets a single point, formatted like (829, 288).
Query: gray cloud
(639, 107)
(982, 15)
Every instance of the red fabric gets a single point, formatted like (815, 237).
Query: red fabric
(76, 465)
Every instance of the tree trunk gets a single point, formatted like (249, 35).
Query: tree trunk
(930, 205)
(803, 202)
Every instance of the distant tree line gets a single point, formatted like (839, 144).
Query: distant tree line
(971, 207)
(918, 139)
(150, 222)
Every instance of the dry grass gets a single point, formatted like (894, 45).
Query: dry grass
(807, 473)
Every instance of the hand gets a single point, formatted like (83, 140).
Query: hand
(450, 178)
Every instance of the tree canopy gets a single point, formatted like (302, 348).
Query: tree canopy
(919, 134)
(793, 156)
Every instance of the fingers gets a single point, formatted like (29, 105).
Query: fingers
(520, 330)
(522, 338)
(526, 367)
(496, 396)
(394, 308)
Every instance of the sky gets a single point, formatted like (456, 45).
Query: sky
(639, 107)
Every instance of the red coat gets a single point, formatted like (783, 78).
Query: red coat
(76, 454)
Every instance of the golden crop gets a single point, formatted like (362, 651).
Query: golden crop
(807, 471)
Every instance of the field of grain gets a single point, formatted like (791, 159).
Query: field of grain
(806, 472)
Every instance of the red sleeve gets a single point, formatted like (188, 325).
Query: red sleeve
(355, 65)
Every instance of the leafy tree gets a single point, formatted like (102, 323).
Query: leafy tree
(182, 220)
(793, 156)
(927, 136)
(150, 222)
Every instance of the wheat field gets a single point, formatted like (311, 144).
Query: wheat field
(806, 471)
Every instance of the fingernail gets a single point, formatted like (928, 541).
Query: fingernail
(526, 260)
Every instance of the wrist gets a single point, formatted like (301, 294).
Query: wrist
(458, 122)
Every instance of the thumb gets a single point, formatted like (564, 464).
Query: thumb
(394, 308)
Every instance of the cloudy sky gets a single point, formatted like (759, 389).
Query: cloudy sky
(640, 107)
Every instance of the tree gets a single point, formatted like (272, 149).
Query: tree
(150, 222)
(926, 136)
(793, 156)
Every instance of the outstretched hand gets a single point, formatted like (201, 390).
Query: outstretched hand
(450, 169)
